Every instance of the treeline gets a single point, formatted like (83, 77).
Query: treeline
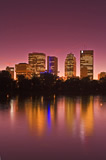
(48, 83)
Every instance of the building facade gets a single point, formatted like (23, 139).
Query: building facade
(101, 75)
(70, 66)
(52, 65)
(23, 69)
(37, 62)
(86, 63)
(11, 71)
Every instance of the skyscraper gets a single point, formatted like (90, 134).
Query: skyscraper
(86, 64)
(37, 62)
(70, 66)
(52, 65)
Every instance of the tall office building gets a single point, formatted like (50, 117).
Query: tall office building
(11, 71)
(70, 66)
(23, 69)
(52, 65)
(37, 62)
(86, 64)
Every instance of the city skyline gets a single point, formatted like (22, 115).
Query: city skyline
(60, 72)
(55, 28)
(52, 79)
(39, 62)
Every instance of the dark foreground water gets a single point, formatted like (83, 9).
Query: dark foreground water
(56, 128)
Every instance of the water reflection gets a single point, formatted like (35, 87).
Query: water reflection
(86, 116)
(57, 125)
(79, 115)
(70, 112)
(41, 115)
(76, 114)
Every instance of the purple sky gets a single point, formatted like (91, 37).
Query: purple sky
(55, 27)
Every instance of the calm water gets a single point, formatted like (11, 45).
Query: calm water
(53, 128)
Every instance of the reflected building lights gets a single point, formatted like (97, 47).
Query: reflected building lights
(86, 117)
(42, 115)
(42, 100)
(49, 116)
(36, 119)
(79, 118)
(101, 104)
(70, 112)
(13, 108)
(40, 118)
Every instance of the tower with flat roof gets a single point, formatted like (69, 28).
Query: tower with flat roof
(52, 65)
(37, 62)
(70, 66)
(86, 63)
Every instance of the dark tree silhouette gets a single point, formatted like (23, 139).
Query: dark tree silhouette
(48, 83)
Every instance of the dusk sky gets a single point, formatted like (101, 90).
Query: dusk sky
(54, 27)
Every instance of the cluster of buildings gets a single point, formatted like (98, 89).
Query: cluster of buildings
(37, 65)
